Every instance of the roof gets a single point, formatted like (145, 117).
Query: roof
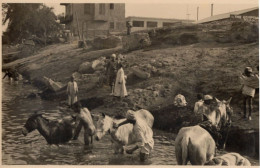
(226, 15)
(151, 18)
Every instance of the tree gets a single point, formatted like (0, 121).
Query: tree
(25, 20)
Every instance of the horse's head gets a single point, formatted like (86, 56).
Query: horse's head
(104, 124)
(224, 112)
(31, 124)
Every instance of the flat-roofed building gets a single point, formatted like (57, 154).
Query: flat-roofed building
(143, 23)
(94, 19)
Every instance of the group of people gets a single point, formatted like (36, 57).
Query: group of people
(115, 77)
(249, 82)
(202, 108)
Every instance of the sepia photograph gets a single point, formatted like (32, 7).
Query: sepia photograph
(130, 83)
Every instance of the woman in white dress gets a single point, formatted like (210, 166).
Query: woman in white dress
(120, 88)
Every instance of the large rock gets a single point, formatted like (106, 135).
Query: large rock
(54, 86)
(136, 41)
(106, 42)
(91, 67)
(86, 67)
(140, 74)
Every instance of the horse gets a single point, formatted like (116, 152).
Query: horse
(195, 144)
(54, 132)
(229, 159)
(124, 135)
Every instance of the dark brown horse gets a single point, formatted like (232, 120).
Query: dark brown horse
(55, 132)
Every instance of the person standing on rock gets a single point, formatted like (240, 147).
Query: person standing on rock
(111, 72)
(72, 91)
(120, 88)
(249, 83)
(142, 131)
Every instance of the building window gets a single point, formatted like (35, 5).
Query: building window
(168, 24)
(102, 9)
(111, 6)
(112, 25)
(138, 23)
(151, 24)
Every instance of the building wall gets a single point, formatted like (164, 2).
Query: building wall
(160, 22)
(96, 23)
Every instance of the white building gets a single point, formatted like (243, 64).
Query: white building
(143, 23)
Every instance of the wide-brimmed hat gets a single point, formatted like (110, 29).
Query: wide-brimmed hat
(208, 97)
(130, 115)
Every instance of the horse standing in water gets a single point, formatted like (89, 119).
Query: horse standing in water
(124, 135)
(53, 131)
(195, 144)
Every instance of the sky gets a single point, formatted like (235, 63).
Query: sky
(177, 9)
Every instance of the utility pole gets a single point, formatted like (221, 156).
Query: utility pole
(211, 9)
(197, 13)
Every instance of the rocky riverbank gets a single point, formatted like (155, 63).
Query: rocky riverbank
(155, 75)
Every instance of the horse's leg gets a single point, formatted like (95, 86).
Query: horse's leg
(116, 147)
(121, 150)
(87, 139)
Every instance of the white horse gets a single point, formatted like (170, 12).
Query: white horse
(124, 135)
(229, 159)
(195, 144)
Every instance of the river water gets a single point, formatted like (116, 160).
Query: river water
(34, 150)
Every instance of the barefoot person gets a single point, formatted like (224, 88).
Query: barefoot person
(72, 91)
(120, 88)
(249, 83)
(111, 72)
(142, 131)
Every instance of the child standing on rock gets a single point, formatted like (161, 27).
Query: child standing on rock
(72, 91)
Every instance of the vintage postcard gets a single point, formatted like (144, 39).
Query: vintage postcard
(130, 83)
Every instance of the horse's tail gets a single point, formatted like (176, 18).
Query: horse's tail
(184, 147)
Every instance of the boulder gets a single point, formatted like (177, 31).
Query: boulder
(136, 41)
(140, 74)
(86, 67)
(91, 67)
(106, 42)
(54, 86)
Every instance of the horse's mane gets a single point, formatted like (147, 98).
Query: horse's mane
(35, 115)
